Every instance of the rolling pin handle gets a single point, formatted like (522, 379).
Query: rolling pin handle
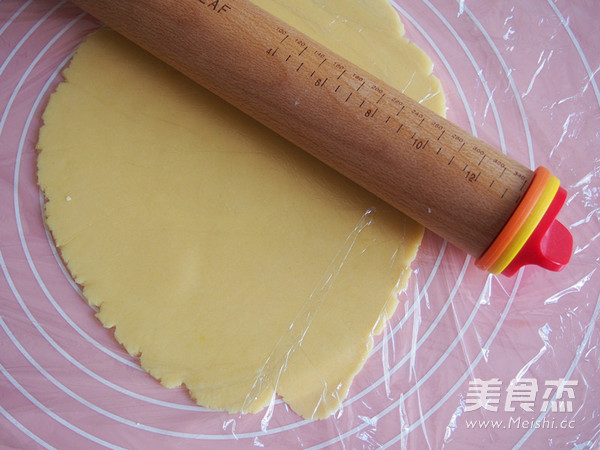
(532, 235)
(550, 246)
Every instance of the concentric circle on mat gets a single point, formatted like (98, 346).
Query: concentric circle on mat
(526, 85)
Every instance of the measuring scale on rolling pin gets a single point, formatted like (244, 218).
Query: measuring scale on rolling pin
(451, 182)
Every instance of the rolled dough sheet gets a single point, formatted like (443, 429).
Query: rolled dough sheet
(229, 260)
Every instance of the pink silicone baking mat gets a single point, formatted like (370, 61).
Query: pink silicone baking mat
(468, 360)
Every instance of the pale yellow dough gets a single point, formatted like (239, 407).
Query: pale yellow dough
(226, 258)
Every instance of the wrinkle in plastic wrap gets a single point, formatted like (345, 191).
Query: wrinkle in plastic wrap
(468, 359)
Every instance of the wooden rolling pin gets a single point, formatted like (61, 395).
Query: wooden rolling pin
(454, 184)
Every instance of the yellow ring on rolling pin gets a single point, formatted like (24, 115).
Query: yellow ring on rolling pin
(528, 227)
(503, 240)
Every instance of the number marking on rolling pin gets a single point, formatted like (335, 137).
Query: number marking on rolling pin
(358, 91)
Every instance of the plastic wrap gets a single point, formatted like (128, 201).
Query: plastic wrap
(468, 360)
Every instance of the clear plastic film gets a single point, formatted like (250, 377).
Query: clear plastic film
(467, 359)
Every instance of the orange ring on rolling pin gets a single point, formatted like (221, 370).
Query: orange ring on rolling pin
(528, 227)
(516, 221)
